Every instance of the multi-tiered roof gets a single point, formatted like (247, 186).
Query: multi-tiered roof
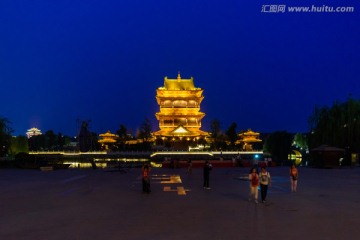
(179, 114)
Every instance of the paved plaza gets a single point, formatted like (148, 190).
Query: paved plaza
(99, 204)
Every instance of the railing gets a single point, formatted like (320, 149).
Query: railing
(147, 152)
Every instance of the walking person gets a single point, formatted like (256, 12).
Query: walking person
(189, 167)
(294, 175)
(265, 182)
(145, 171)
(254, 184)
(207, 169)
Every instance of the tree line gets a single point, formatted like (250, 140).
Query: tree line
(86, 140)
(337, 125)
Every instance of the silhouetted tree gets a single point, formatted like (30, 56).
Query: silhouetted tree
(145, 130)
(37, 143)
(50, 139)
(5, 136)
(215, 128)
(300, 141)
(338, 126)
(19, 144)
(231, 134)
(219, 139)
(61, 140)
(278, 144)
(122, 132)
(123, 136)
(94, 144)
(85, 138)
(145, 134)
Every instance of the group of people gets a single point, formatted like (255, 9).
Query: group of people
(263, 180)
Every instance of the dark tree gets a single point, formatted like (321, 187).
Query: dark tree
(145, 134)
(37, 143)
(60, 141)
(278, 144)
(145, 130)
(94, 144)
(122, 132)
(19, 144)
(50, 140)
(215, 128)
(5, 136)
(231, 134)
(300, 141)
(123, 136)
(337, 126)
(85, 138)
(219, 139)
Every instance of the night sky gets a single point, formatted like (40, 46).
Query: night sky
(66, 61)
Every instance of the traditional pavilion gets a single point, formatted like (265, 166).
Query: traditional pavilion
(33, 132)
(247, 139)
(107, 139)
(179, 116)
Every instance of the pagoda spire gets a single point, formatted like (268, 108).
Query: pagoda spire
(178, 77)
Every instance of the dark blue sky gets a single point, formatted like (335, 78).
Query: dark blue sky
(103, 60)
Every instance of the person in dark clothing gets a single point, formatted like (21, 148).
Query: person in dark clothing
(207, 169)
(189, 167)
(146, 178)
(265, 182)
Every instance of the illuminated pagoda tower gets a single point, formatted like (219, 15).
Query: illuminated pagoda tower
(179, 117)
(33, 132)
(247, 139)
(107, 140)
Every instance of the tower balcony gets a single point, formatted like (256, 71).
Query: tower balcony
(180, 111)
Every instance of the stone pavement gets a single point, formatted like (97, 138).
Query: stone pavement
(97, 204)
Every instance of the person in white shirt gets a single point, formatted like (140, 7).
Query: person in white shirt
(265, 181)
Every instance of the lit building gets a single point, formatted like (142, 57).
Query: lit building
(33, 132)
(179, 116)
(107, 139)
(247, 139)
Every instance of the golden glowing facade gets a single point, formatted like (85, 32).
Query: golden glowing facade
(179, 116)
(247, 139)
(107, 139)
(33, 132)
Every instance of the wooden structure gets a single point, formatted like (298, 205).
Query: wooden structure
(33, 132)
(247, 139)
(327, 157)
(179, 116)
(107, 139)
